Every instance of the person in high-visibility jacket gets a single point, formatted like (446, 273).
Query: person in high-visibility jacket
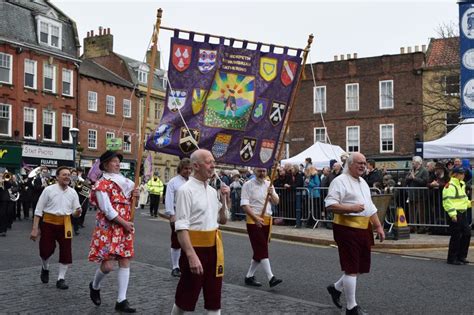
(155, 188)
(456, 203)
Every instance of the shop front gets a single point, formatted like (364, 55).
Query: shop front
(10, 158)
(34, 156)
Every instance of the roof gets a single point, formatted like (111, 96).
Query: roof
(443, 52)
(133, 66)
(18, 24)
(92, 69)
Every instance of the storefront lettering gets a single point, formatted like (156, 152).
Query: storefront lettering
(2, 152)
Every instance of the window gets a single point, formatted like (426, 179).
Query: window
(66, 125)
(109, 135)
(127, 108)
(452, 120)
(451, 84)
(127, 143)
(386, 94)
(5, 120)
(92, 139)
(320, 135)
(142, 76)
(157, 111)
(49, 122)
(29, 123)
(386, 138)
(30, 73)
(110, 105)
(6, 68)
(92, 101)
(352, 139)
(67, 82)
(50, 32)
(49, 78)
(319, 99)
(352, 97)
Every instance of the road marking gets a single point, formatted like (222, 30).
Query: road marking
(414, 257)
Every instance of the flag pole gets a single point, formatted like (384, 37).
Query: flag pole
(147, 104)
(287, 122)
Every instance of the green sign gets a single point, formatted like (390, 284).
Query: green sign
(10, 155)
(114, 144)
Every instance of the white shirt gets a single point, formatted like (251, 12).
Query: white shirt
(197, 206)
(171, 189)
(254, 194)
(56, 201)
(349, 190)
(103, 200)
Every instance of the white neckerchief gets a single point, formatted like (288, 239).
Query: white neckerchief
(124, 183)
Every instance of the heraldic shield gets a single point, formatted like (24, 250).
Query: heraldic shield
(162, 136)
(188, 141)
(277, 113)
(247, 148)
(221, 144)
(199, 96)
(268, 68)
(288, 72)
(176, 100)
(207, 60)
(181, 57)
(266, 150)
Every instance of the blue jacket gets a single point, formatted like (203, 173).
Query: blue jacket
(313, 186)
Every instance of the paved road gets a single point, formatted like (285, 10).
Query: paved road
(396, 285)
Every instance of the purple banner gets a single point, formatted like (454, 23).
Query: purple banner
(233, 100)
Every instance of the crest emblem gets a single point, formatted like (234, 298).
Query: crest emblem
(188, 142)
(277, 113)
(268, 68)
(162, 136)
(221, 144)
(266, 150)
(207, 60)
(288, 72)
(176, 99)
(259, 109)
(247, 148)
(181, 57)
(199, 96)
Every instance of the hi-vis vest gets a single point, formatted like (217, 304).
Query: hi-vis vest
(155, 187)
(454, 197)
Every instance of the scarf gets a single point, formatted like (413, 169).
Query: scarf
(124, 183)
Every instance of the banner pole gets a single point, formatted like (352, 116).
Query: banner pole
(287, 122)
(147, 106)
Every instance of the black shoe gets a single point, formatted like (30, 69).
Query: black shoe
(356, 310)
(76, 232)
(335, 295)
(464, 261)
(251, 281)
(95, 295)
(176, 272)
(274, 282)
(124, 307)
(61, 284)
(44, 275)
(455, 262)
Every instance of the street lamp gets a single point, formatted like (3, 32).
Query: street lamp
(74, 134)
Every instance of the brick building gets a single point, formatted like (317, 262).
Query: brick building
(39, 62)
(108, 110)
(370, 105)
(99, 48)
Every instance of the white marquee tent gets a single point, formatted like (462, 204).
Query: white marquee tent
(459, 142)
(320, 154)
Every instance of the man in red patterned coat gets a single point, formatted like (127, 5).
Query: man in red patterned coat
(113, 235)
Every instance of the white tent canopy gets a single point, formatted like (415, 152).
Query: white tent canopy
(459, 142)
(320, 154)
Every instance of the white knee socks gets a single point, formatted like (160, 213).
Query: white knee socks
(176, 310)
(123, 276)
(266, 267)
(62, 271)
(350, 283)
(99, 276)
(339, 285)
(175, 254)
(253, 267)
(45, 264)
(216, 312)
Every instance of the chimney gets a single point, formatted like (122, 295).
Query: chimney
(98, 46)
(417, 48)
(341, 57)
(88, 34)
(355, 55)
(409, 49)
(157, 59)
(108, 30)
(335, 58)
(423, 48)
(402, 50)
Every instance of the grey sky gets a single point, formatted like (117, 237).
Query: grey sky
(340, 27)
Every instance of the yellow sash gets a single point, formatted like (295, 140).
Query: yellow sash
(267, 220)
(210, 239)
(60, 220)
(357, 222)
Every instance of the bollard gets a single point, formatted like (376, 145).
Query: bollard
(400, 228)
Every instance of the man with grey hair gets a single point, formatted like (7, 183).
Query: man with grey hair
(354, 215)
(417, 178)
(198, 215)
